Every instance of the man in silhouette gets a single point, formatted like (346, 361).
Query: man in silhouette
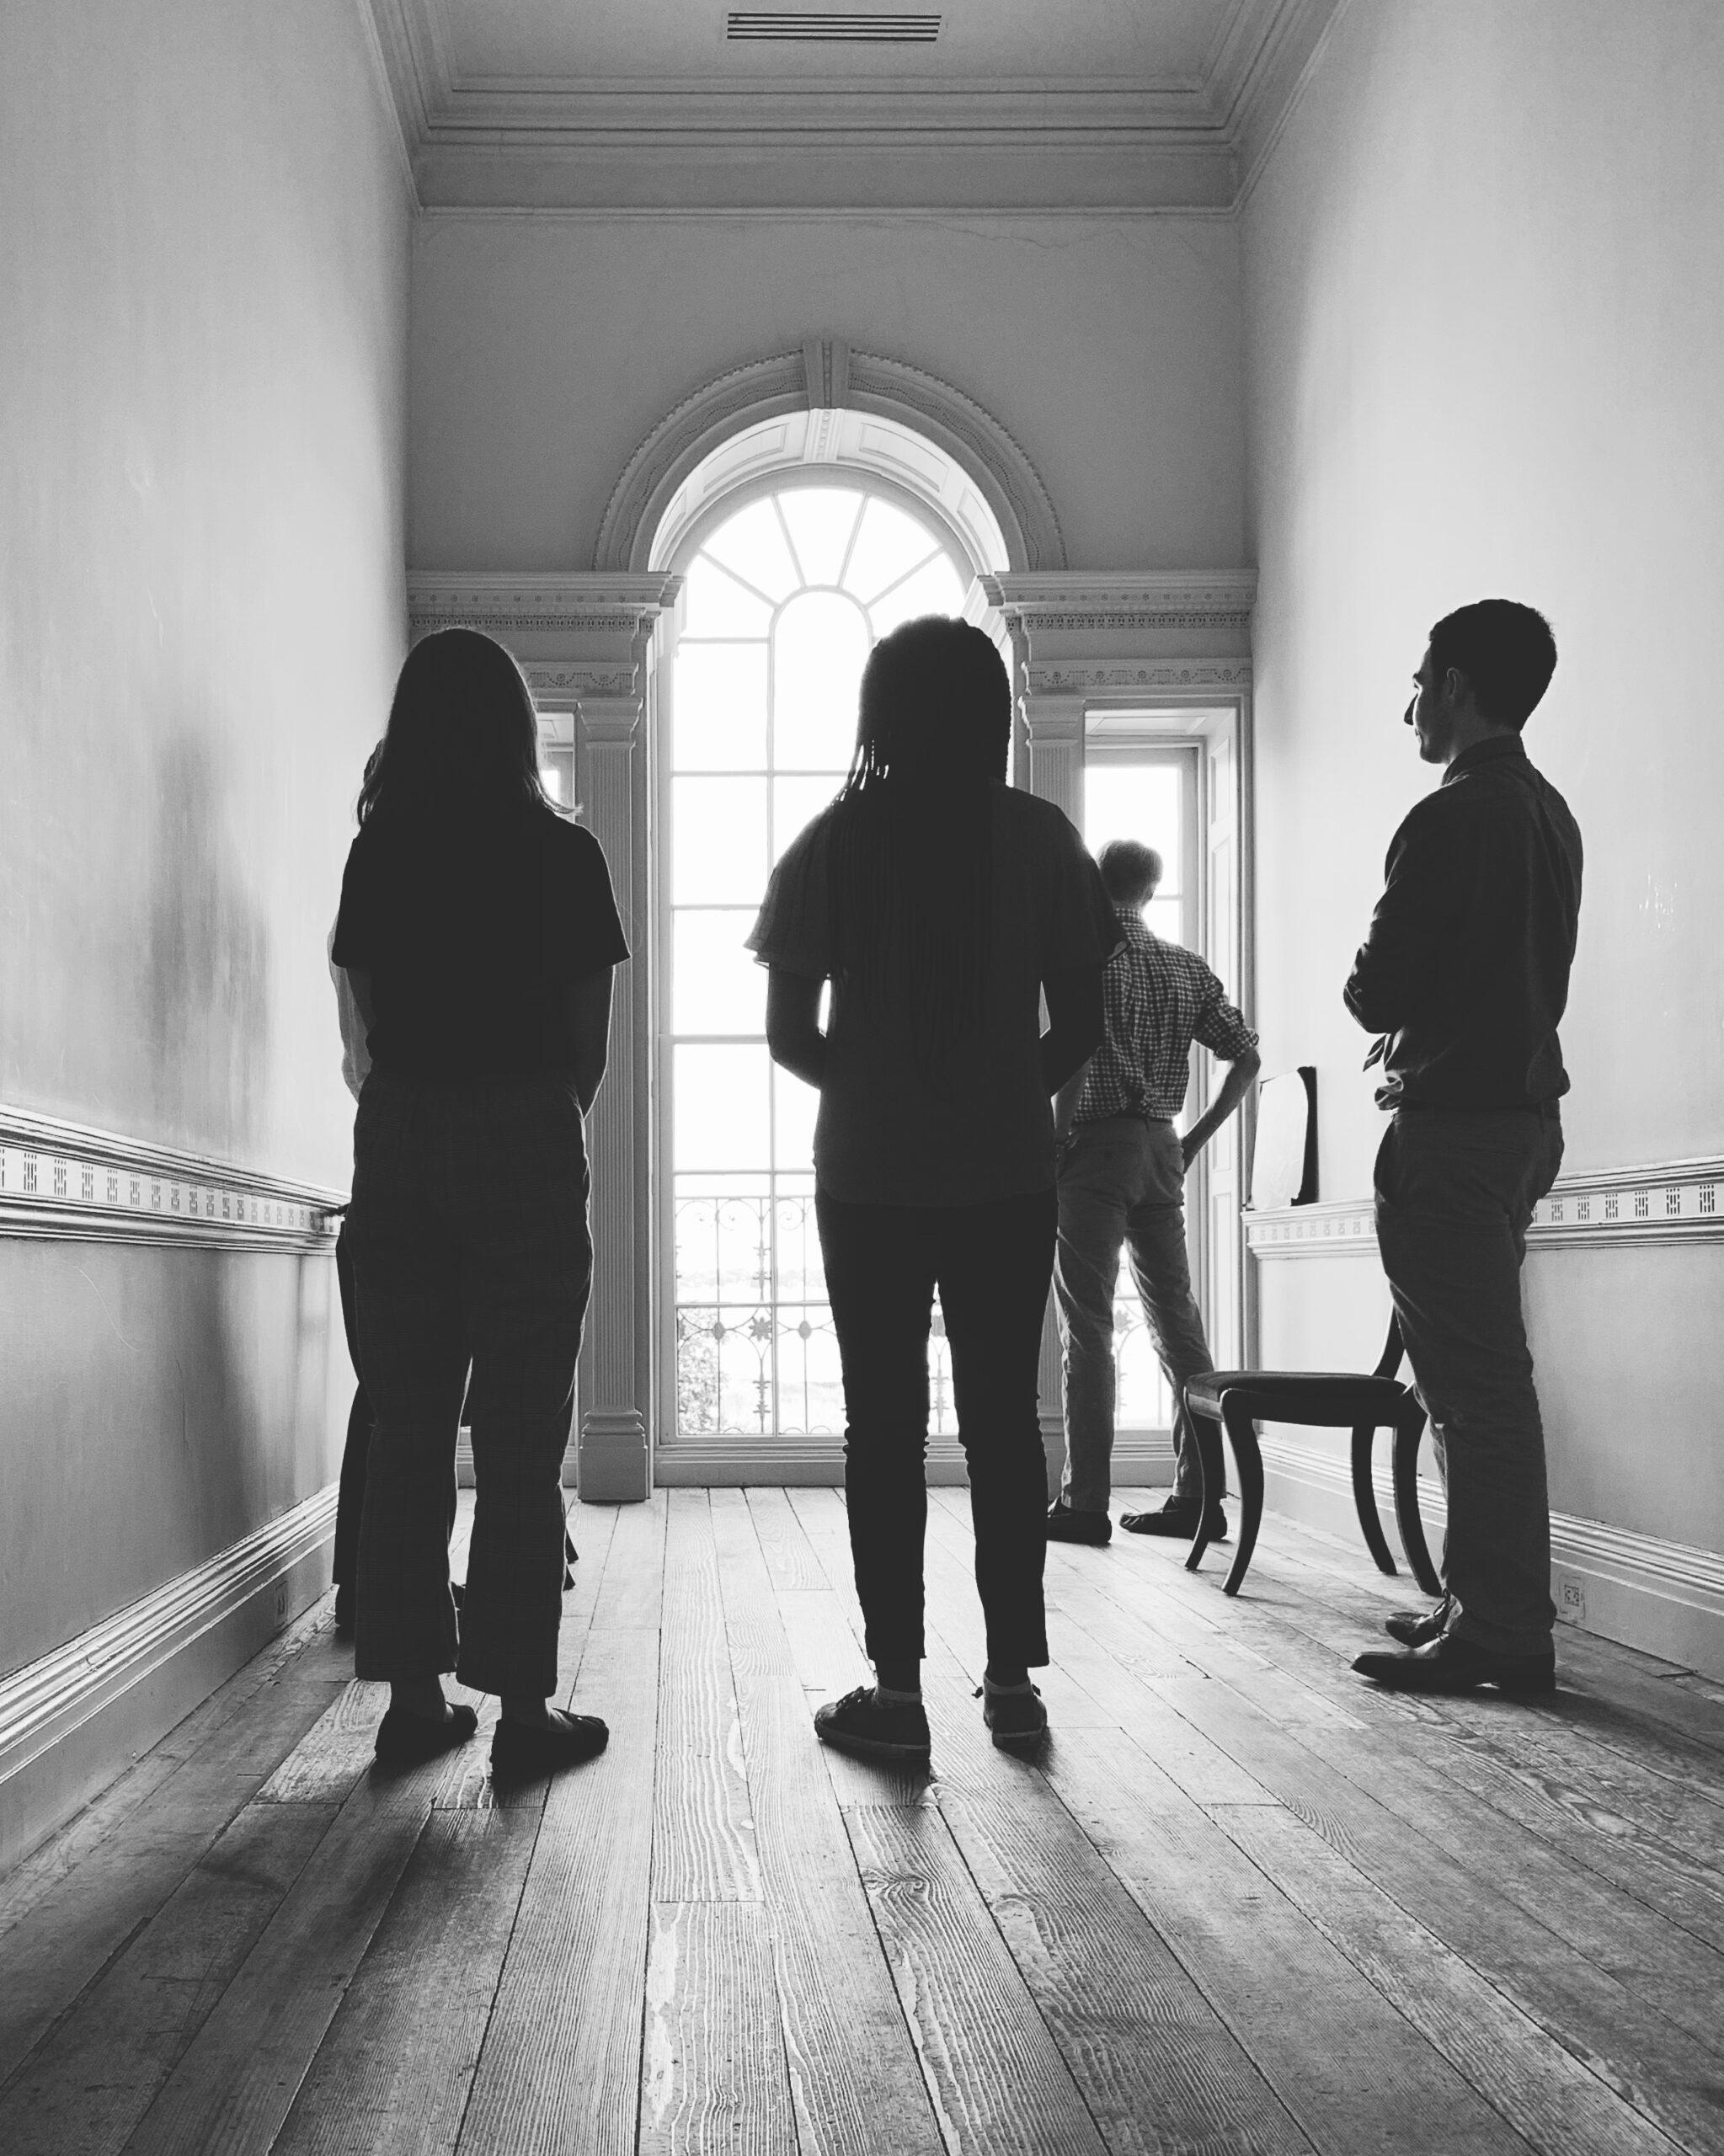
(1122, 1183)
(1464, 975)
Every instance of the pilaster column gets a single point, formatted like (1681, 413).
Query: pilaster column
(586, 644)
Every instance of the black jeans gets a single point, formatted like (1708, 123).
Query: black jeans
(992, 1265)
(351, 1504)
(468, 1229)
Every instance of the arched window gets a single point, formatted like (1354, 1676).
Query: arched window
(783, 601)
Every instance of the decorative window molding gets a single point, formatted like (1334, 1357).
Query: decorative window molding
(1670, 1202)
(822, 394)
(60, 1181)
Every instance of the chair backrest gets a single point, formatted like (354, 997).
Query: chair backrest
(1394, 1348)
(1284, 1159)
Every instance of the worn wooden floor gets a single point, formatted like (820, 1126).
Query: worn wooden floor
(1243, 1904)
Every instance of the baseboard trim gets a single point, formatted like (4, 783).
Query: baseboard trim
(46, 1701)
(1140, 1462)
(1665, 1597)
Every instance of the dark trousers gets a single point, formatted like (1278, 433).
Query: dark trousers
(349, 1504)
(1456, 1191)
(469, 1236)
(991, 1265)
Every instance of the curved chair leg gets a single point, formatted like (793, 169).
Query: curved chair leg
(1208, 1434)
(1248, 1462)
(1406, 1501)
(1364, 1498)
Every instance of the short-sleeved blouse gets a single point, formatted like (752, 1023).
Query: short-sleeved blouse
(977, 1125)
(472, 938)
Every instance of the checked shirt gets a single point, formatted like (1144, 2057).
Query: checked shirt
(1160, 998)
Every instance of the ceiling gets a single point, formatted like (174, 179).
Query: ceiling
(994, 104)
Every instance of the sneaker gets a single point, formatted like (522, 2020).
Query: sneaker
(1175, 1519)
(869, 1727)
(523, 1750)
(1067, 1524)
(1018, 1719)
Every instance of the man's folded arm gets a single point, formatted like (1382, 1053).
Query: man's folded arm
(1397, 966)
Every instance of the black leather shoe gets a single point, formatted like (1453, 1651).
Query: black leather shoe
(1451, 1664)
(1174, 1519)
(405, 1739)
(1417, 1628)
(1067, 1524)
(523, 1750)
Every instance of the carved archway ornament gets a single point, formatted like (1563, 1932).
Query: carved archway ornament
(829, 407)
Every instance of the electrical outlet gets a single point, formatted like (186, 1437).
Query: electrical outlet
(1571, 1598)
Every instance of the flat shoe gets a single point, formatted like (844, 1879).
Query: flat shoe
(522, 1751)
(1181, 1521)
(867, 1727)
(1068, 1523)
(403, 1739)
(1417, 1628)
(1451, 1664)
(1018, 1720)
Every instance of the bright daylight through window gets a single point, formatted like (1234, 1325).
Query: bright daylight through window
(783, 602)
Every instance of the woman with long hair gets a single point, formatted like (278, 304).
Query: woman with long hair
(478, 932)
(942, 905)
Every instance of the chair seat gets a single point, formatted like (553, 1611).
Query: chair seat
(1296, 1395)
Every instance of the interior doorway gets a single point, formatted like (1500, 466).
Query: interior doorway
(1169, 777)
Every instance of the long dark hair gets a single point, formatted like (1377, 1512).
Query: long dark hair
(912, 843)
(462, 740)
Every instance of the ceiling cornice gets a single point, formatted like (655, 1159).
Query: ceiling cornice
(917, 142)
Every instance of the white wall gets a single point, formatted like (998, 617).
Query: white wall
(546, 347)
(1485, 293)
(203, 303)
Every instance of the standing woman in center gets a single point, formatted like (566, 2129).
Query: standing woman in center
(941, 905)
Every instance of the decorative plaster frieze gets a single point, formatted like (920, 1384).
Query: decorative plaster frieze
(1670, 1202)
(1067, 678)
(1079, 600)
(586, 604)
(61, 1182)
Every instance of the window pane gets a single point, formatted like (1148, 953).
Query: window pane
(718, 842)
(1166, 917)
(751, 545)
(935, 589)
(819, 648)
(889, 544)
(720, 704)
(821, 519)
(715, 604)
(715, 985)
(1137, 801)
(796, 803)
(722, 1107)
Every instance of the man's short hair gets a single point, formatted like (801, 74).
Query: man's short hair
(1506, 650)
(1129, 872)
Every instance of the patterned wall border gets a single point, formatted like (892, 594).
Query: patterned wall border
(61, 1182)
(1671, 1202)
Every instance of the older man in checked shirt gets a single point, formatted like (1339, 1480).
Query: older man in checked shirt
(1122, 1183)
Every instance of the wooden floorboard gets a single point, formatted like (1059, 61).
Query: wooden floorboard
(1241, 1902)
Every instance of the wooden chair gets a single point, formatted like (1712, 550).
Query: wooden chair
(1237, 1400)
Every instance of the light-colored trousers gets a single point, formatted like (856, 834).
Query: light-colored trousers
(1122, 1186)
(1455, 1190)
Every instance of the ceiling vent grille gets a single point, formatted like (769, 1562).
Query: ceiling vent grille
(799, 26)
